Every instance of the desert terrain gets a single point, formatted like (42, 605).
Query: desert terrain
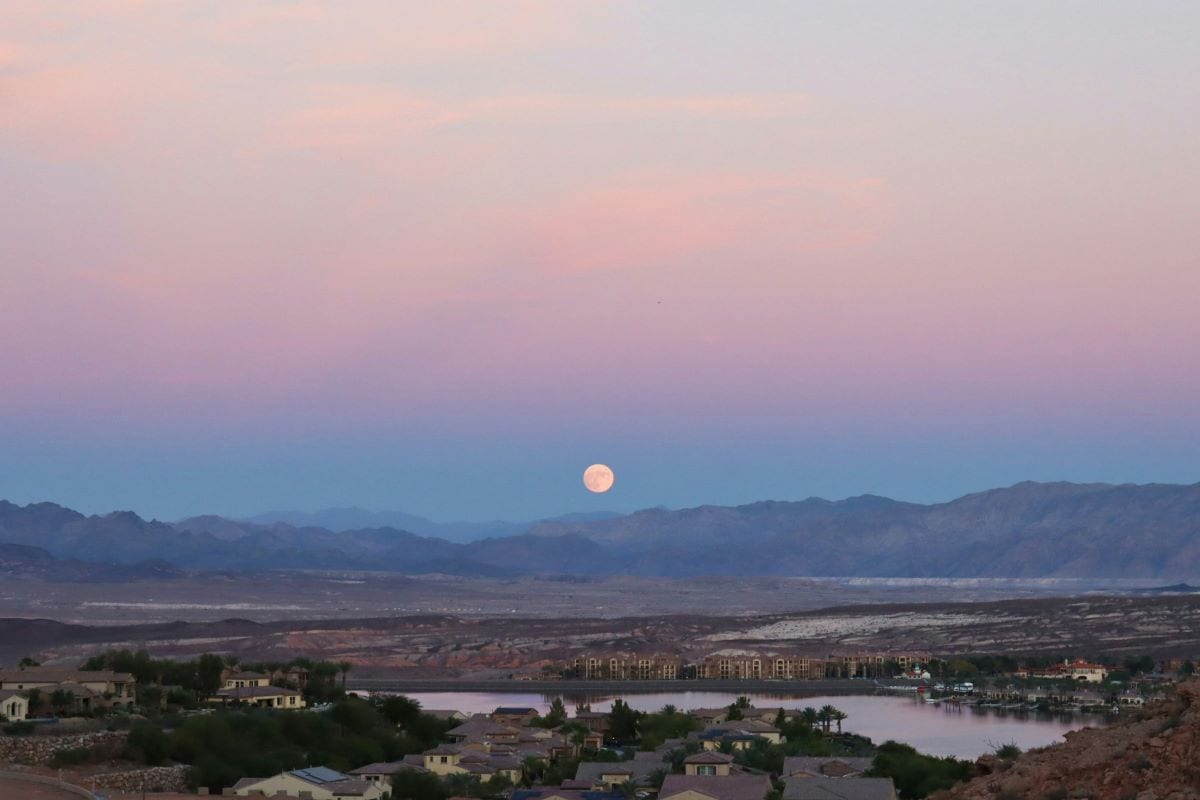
(439, 626)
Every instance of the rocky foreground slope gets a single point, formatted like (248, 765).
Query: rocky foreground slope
(1153, 756)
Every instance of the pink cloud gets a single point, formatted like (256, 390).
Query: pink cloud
(653, 219)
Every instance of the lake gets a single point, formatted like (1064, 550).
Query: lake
(939, 729)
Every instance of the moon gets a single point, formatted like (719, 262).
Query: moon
(598, 478)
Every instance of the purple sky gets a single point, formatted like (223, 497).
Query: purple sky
(442, 256)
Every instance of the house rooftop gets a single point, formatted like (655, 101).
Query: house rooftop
(386, 767)
(59, 675)
(637, 771)
(247, 692)
(709, 757)
(831, 766)
(718, 787)
(839, 789)
(560, 793)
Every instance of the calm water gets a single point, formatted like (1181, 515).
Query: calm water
(939, 729)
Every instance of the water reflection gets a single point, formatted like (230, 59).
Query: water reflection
(945, 729)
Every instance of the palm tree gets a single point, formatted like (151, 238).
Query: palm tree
(809, 716)
(826, 715)
(838, 716)
(344, 667)
(628, 788)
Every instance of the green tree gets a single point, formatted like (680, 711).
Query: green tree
(810, 717)
(408, 784)
(35, 700)
(208, 673)
(344, 667)
(62, 700)
(26, 661)
(400, 710)
(496, 786)
(556, 716)
(623, 721)
(917, 775)
(148, 743)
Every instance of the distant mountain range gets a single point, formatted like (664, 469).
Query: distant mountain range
(350, 519)
(1028, 530)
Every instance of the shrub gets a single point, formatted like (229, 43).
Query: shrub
(1009, 750)
(70, 756)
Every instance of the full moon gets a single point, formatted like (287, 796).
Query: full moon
(598, 478)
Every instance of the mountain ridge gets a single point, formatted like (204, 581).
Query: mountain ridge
(1023, 531)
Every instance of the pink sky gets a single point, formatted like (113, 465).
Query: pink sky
(677, 219)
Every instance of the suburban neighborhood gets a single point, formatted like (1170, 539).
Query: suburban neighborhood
(176, 726)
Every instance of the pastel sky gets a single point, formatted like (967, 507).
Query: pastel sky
(441, 256)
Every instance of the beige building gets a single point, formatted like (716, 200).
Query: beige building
(93, 688)
(317, 783)
(240, 680)
(626, 667)
(262, 696)
(703, 787)
(14, 707)
(708, 763)
(472, 759)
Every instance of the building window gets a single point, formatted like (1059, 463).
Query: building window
(706, 769)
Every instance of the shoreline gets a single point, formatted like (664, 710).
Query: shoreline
(618, 688)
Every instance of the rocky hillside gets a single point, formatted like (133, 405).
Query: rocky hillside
(1153, 756)
(1029, 530)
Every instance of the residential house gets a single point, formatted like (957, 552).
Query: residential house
(824, 766)
(261, 696)
(293, 677)
(824, 788)
(446, 714)
(381, 772)
(565, 792)
(519, 717)
(710, 716)
(596, 721)
(608, 776)
(708, 763)
(317, 783)
(704, 787)
(477, 760)
(233, 679)
(1077, 670)
(480, 728)
(92, 688)
(740, 733)
(14, 706)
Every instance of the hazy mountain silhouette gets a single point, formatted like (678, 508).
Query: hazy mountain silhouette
(1027, 530)
(348, 519)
